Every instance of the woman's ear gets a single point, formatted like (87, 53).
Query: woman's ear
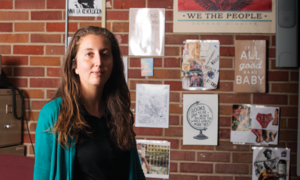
(74, 66)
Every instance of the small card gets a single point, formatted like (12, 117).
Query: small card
(146, 66)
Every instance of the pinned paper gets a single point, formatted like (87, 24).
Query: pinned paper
(146, 66)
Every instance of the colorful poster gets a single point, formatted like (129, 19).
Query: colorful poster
(254, 124)
(85, 7)
(271, 163)
(154, 158)
(146, 31)
(125, 62)
(238, 16)
(146, 66)
(200, 119)
(152, 105)
(250, 66)
(200, 64)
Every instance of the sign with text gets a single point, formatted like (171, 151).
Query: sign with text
(250, 66)
(85, 7)
(238, 16)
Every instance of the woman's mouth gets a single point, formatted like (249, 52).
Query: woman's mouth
(97, 73)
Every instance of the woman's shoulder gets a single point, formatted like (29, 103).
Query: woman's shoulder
(50, 111)
(53, 105)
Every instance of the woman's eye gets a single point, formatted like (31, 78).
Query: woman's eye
(88, 54)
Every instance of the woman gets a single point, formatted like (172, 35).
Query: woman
(86, 131)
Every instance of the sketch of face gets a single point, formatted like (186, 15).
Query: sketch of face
(86, 3)
(194, 49)
(268, 154)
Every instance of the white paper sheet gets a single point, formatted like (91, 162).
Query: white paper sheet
(200, 119)
(152, 105)
(85, 8)
(146, 31)
(125, 62)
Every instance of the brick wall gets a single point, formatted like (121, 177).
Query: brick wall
(32, 45)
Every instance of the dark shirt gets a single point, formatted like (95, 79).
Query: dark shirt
(97, 157)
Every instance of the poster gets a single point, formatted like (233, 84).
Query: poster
(154, 158)
(146, 66)
(250, 66)
(146, 31)
(271, 163)
(85, 7)
(152, 105)
(223, 16)
(125, 62)
(200, 64)
(200, 119)
(254, 124)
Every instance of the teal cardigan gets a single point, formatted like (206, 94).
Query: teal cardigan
(54, 162)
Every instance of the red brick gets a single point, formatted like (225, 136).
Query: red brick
(157, 62)
(273, 40)
(225, 63)
(148, 131)
(133, 83)
(28, 27)
(33, 93)
(117, 15)
(234, 98)
(243, 178)
(174, 97)
(269, 99)
(224, 39)
(5, 49)
(224, 133)
(216, 177)
(168, 4)
(120, 4)
(273, 66)
(196, 147)
(174, 142)
(224, 86)
(14, 60)
(79, 18)
(14, 38)
(169, 27)
(278, 76)
(174, 120)
(165, 74)
(13, 15)
(44, 61)
(32, 126)
(26, 138)
(182, 155)
(232, 168)
(53, 72)
(19, 82)
(60, 27)
(172, 51)
(178, 39)
(56, 4)
(44, 82)
(169, 16)
(38, 104)
(282, 123)
(175, 108)
(124, 50)
(289, 111)
(122, 38)
(173, 167)
(6, 4)
(46, 15)
(293, 123)
(292, 146)
(172, 62)
(29, 4)
(293, 99)
(228, 146)
(288, 135)
(196, 168)
(174, 85)
(28, 71)
(134, 73)
(285, 87)
(225, 110)
(227, 51)
(5, 27)
(55, 50)
(32, 116)
(225, 121)
(181, 177)
(30, 50)
(294, 76)
(50, 94)
(46, 38)
(213, 157)
(7, 71)
(247, 37)
(120, 27)
(99, 24)
(242, 157)
(271, 52)
(173, 131)
(226, 75)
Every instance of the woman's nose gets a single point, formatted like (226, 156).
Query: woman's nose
(97, 59)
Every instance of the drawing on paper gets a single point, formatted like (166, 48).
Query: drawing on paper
(152, 105)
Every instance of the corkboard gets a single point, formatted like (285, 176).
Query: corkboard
(250, 66)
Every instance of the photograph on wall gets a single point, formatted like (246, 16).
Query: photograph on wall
(154, 158)
(146, 31)
(270, 163)
(223, 16)
(254, 124)
(85, 7)
(146, 66)
(250, 66)
(125, 62)
(200, 119)
(200, 64)
(152, 105)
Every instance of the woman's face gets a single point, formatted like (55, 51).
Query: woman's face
(94, 60)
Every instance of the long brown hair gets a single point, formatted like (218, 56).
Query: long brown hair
(115, 95)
